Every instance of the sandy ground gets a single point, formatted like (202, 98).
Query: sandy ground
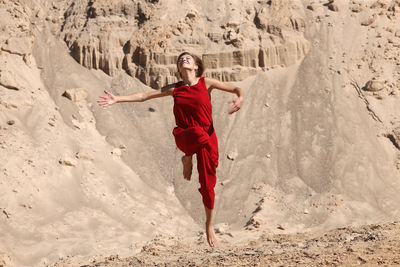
(370, 245)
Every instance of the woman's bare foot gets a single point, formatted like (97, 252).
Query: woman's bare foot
(187, 167)
(211, 238)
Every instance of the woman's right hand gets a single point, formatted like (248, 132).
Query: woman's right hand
(107, 100)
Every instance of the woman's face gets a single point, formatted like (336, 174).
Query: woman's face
(187, 62)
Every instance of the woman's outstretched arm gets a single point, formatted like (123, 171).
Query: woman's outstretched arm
(110, 99)
(237, 102)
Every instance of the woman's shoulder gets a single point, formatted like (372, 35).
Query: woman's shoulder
(170, 88)
(209, 79)
(179, 83)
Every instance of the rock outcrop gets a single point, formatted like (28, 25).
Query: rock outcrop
(96, 31)
(144, 40)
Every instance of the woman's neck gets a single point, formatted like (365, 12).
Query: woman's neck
(189, 77)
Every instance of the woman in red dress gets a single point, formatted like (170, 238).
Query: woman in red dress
(194, 133)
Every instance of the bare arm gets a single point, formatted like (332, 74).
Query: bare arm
(111, 99)
(215, 84)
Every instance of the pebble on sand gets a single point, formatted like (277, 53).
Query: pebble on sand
(311, 7)
(67, 161)
(333, 7)
(85, 154)
(232, 155)
(369, 21)
(76, 94)
(374, 86)
(280, 227)
(116, 152)
(6, 213)
(221, 228)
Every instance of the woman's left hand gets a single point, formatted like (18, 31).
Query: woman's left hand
(236, 104)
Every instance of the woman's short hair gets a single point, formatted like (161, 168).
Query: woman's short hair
(197, 60)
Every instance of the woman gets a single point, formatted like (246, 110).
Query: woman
(194, 133)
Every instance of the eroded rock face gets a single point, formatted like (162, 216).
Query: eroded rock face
(96, 31)
(144, 38)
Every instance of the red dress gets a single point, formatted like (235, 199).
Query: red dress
(194, 134)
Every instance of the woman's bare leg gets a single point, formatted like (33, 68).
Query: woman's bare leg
(211, 238)
(187, 167)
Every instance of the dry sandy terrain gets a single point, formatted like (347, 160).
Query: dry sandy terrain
(309, 168)
(372, 245)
